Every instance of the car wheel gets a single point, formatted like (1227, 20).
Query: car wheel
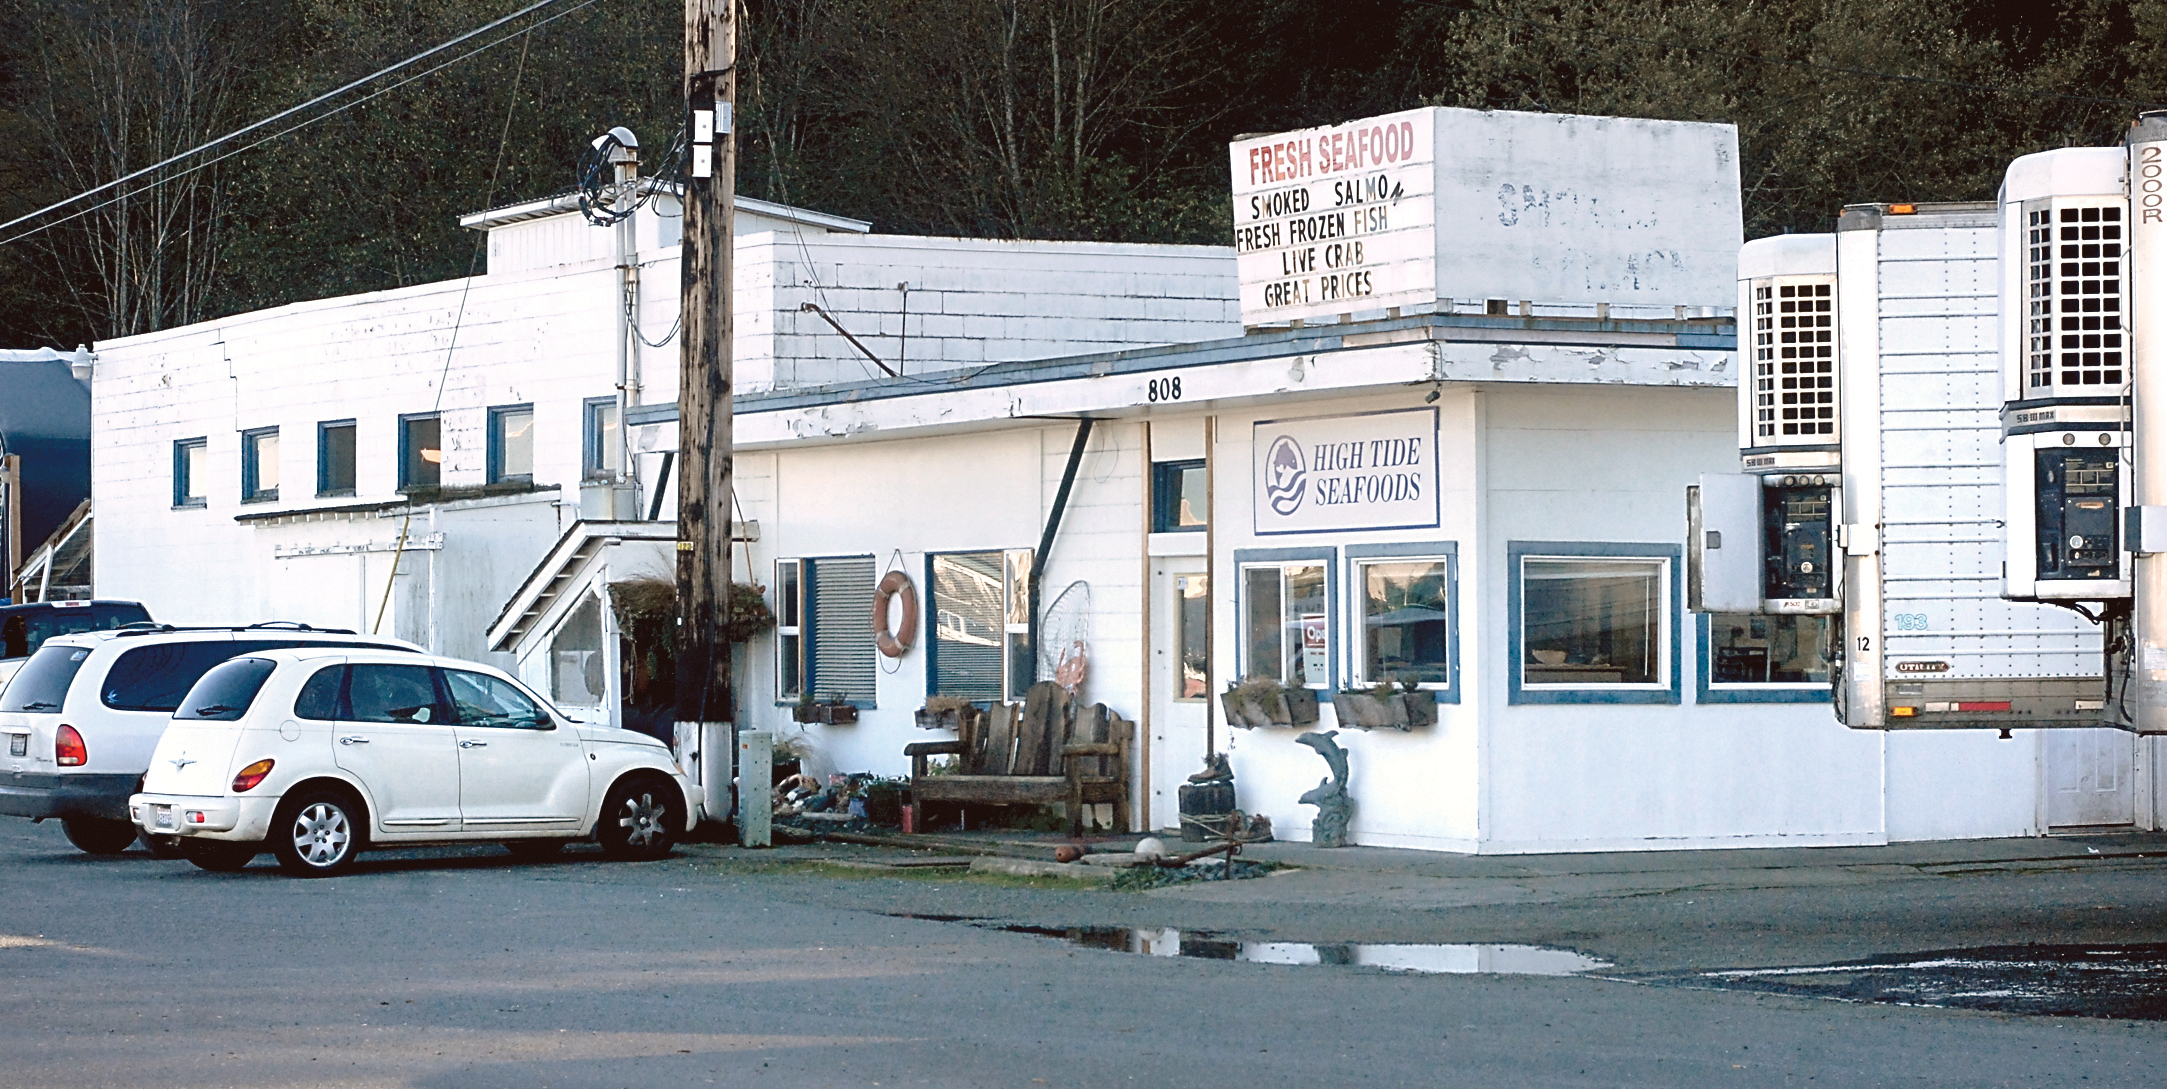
(167, 848)
(640, 819)
(534, 848)
(218, 855)
(317, 833)
(98, 836)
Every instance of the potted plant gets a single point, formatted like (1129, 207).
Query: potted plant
(807, 710)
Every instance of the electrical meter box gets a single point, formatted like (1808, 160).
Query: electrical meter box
(2066, 363)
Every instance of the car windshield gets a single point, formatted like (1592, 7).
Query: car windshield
(42, 684)
(223, 695)
(23, 631)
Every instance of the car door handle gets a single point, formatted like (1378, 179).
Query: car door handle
(353, 741)
(473, 744)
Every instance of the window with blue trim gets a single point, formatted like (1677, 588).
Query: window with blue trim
(259, 465)
(1593, 622)
(511, 444)
(823, 644)
(335, 457)
(1752, 658)
(1406, 620)
(188, 472)
(1287, 623)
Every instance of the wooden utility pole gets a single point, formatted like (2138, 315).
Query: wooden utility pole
(704, 709)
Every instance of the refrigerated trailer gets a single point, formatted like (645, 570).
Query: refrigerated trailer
(1871, 492)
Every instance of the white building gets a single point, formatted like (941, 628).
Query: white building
(1518, 551)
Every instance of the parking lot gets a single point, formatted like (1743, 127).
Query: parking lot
(463, 967)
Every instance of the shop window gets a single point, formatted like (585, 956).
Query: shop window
(1593, 623)
(259, 465)
(1286, 616)
(1750, 658)
(578, 671)
(980, 635)
(824, 645)
(1405, 601)
(188, 473)
(421, 451)
(1178, 497)
(511, 444)
(604, 456)
(335, 458)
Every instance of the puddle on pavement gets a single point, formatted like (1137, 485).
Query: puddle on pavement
(1426, 959)
(2116, 981)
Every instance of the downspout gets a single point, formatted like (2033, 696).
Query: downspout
(1053, 525)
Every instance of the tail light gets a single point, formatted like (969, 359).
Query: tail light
(68, 750)
(251, 775)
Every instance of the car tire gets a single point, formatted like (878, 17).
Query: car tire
(218, 855)
(640, 819)
(164, 848)
(97, 835)
(317, 833)
(534, 848)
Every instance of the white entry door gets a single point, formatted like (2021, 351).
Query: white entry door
(1180, 682)
(2088, 778)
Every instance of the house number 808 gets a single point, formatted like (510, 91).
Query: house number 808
(1164, 389)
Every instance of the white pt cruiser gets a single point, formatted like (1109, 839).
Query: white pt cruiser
(318, 755)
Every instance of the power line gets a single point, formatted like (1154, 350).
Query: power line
(289, 112)
(253, 144)
(1786, 61)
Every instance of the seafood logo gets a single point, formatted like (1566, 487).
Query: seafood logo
(1285, 476)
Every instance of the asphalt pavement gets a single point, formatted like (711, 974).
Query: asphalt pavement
(465, 968)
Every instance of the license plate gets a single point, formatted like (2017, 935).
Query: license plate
(18, 744)
(161, 816)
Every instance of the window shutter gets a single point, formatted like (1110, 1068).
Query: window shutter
(842, 624)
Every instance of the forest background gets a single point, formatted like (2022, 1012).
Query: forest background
(1067, 119)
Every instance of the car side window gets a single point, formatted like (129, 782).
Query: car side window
(482, 700)
(319, 698)
(392, 693)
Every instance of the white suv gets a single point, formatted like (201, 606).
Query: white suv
(82, 715)
(317, 755)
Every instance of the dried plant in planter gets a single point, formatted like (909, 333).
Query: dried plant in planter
(1256, 701)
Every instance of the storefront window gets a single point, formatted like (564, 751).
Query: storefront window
(1592, 621)
(1285, 624)
(1748, 649)
(1406, 621)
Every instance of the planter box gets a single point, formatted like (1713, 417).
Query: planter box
(838, 713)
(939, 720)
(1286, 707)
(1371, 712)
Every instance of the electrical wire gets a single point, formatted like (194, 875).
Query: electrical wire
(288, 112)
(326, 115)
(504, 140)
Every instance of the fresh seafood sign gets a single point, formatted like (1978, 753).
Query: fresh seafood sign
(1373, 471)
(1336, 220)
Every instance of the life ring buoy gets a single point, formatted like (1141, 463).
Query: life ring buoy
(895, 644)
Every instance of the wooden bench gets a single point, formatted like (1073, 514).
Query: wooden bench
(1049, 750)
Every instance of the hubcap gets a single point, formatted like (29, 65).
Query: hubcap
(642, 820)
(321, 834)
